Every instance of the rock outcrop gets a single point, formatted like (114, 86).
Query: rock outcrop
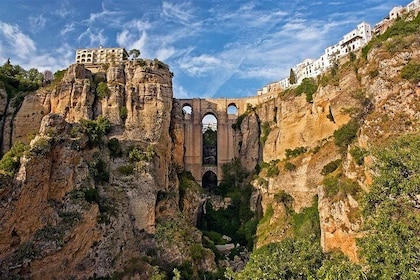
(87, 205)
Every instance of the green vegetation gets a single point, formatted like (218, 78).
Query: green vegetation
(237, 124)
(411, 71)
(288, 259)
(123, 113)
(210, 137)
(126, 169)
(331, 166)
(102, 90)
(289, 166)
(272, 168)
(136, 154)
(337, 266)
(99, 170)
(187, 183)
(400, 29)
(237, 220)
(17, 80)
(391, 247)
(265, 131)
(358, 154)
(11, 160)
(114, 147)
(346, 134)
(336, 186)
(307, 86)
(95, 129)
(285, 198)
(306, 223)
(295, 152)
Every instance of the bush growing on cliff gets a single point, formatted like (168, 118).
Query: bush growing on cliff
(331, 166)
(309, 87)
(11, 160)
(102, 90)
(411, 71)
(114, 147)
(95, 129)
(99, 170)
(346, 134)
(265, 131)
(295, 152)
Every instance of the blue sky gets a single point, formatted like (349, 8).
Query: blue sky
(215, 48)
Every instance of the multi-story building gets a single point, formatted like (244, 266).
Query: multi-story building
(100, 55)
(311, 68)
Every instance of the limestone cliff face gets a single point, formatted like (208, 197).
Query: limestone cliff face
(76, 209)
(384, 104)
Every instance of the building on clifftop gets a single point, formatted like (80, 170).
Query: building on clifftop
(96, 56)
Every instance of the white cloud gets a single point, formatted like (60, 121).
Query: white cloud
(69, 27)
(37, 23)
(21, 45)
(181, 13)
(199, 65)
(165, 53)
(96, 38)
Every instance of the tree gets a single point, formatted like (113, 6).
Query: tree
(292, 77)
(289, 259)
(134, 53)
(391, 245)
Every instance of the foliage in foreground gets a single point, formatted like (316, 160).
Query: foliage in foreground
(391, 212)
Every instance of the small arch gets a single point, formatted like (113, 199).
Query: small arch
(209, 181)
(232, 109)
(187, 109)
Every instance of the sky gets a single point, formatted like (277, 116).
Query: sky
(215, 48)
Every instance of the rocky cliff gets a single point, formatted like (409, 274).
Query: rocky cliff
(300, 142)
(96, 187)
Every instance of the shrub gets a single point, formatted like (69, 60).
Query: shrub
(127, 169)
(307, 86)
(102, 90)
(411, 71)
(331, 167)
(295, 152)
(123, 113)
(284, 197)
(358, 154)
(273, 169)
(11, 160)
(336, 186)
(114, 148)
(98, 169)
(345, 134)
(289, 166)
(265, 131)
(95, 129)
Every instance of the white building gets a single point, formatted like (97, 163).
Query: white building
(100, 55)
(412, 6)
(311, 68)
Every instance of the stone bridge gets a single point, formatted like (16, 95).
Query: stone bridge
(226, 111)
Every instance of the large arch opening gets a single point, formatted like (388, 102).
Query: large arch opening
(209, 181)
(209, 130)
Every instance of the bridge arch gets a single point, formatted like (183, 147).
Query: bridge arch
(226, 111)
(209, 181)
